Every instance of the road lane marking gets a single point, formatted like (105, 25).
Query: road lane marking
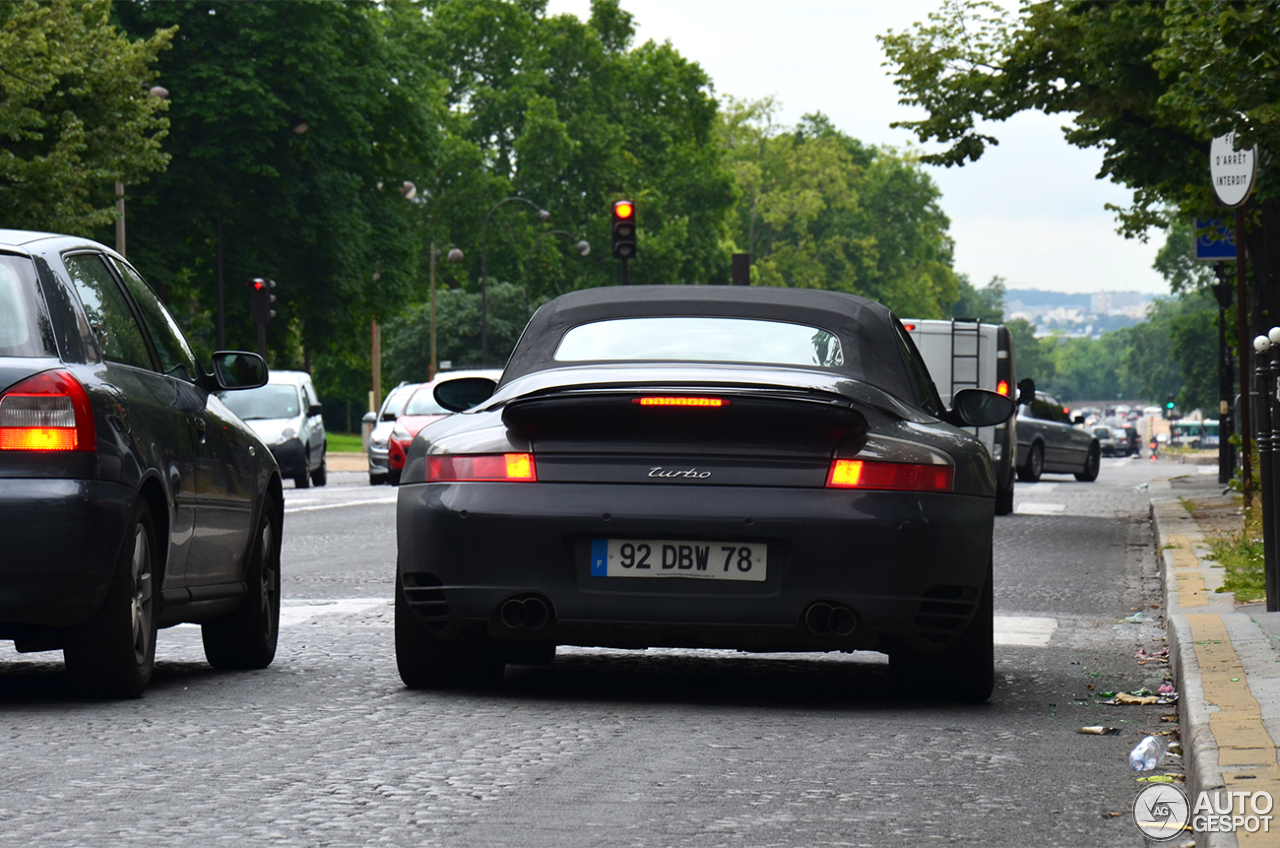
(1038, 487)
(298, 612)
(1039, 508)
(362, 502)
(1024, 631)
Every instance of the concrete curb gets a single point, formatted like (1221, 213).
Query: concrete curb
(1199, 747)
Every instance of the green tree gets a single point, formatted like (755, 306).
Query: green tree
(985, 304)
(406, 338)
(1176, 260)
(1029, 356)
(569, 115)
(1148, 83)
(818, 209)
(75, 113)
(293, 127)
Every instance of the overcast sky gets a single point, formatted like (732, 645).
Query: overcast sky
(1031, 210)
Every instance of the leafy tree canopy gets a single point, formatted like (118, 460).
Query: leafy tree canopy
(75, 113)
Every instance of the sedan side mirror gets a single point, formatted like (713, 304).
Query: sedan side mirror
(1079, 419)
(370, 418)
(464, 393)
(315, 409)
(979, 408)
(238, 369)
(1026, 391)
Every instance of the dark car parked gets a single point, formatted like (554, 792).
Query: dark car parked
(131, 498)
(1048, 441)
(702, 466)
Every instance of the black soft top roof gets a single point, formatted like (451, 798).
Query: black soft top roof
(866, 329)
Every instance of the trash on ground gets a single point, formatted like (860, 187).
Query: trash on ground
(1136, 618)
(1144, 656)
(1098, 730)
(1166, 689)
(1124, 699)
(1146, 754)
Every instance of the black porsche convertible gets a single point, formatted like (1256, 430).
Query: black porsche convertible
(694, 466)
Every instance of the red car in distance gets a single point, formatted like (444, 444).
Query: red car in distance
(420, 411)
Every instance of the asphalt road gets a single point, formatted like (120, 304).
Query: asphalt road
(652, 748)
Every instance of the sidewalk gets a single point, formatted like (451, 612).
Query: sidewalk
(1226, 663)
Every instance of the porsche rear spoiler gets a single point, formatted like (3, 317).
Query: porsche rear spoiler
(666, 417)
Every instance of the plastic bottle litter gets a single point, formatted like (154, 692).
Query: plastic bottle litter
(1146, 754)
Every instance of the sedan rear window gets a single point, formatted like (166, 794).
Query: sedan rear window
(700, 340)
(24, 328)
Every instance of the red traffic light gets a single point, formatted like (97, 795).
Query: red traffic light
(623, 209)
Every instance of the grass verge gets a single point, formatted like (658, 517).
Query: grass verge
(344, 443)
(1240, 555)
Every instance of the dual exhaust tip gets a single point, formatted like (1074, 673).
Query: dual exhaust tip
(528, 613)
(830, 619)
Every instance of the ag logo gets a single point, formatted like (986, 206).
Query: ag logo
(1161, 811)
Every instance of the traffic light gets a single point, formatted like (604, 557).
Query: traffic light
(624, 230)
(261, 299)
(1168, 408)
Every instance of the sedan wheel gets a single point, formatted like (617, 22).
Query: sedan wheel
(247, 638)
(112, 654)
(321, 475)
(303, 480)
(1034, 467)
(1091, 465)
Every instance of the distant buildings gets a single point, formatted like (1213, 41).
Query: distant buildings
(1076, 315)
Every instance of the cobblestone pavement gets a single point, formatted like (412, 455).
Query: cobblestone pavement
(648, 748)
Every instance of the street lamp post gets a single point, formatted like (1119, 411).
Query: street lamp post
(543, 215)
(159, 92)
(582, 247)
(454, 255)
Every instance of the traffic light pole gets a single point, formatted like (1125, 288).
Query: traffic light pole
(624, 272)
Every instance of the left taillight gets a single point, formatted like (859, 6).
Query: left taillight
(47, 412)
(894, 476)
(484, 467)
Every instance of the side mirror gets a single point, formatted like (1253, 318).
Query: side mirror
(1026, 391)
(464, 393)
(1079, 419)
(238, 369)
(979, 408)
(315, 409)
(369, 418)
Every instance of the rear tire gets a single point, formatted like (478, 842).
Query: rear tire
(1091, 466)
(247, 638)
(113, 654)
(963, 672)
(531, 653)
(1004, 501)
(321, 475)
(426, 661)
(1034, 466)
(393, 477)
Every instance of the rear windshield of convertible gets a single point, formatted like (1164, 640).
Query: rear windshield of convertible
(700, 340)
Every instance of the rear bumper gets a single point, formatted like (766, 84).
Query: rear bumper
(61, 539)
(911, 566)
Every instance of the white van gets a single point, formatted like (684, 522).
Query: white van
(967, 354)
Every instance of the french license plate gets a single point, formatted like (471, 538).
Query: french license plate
(663, 558)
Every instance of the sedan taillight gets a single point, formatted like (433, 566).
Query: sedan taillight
(47, 412)
(489, 467)
(895, 476)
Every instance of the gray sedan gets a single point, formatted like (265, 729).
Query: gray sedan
(1047, 441)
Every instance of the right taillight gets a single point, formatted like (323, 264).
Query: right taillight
(486, 468)
(894, 476)
(47, 412)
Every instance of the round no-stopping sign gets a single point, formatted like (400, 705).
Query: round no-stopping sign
(1232, 170)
